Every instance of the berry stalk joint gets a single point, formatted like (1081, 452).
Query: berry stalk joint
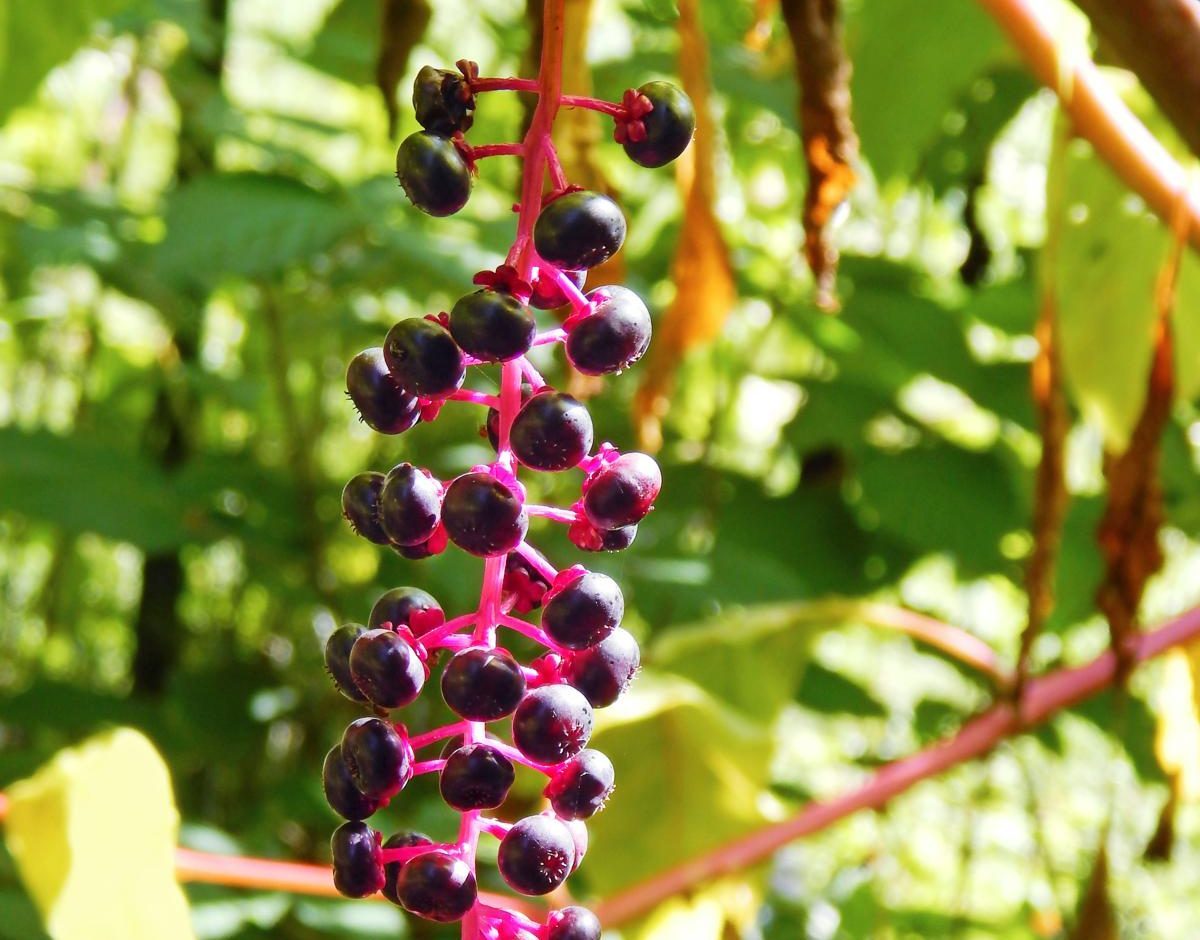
(537, 714)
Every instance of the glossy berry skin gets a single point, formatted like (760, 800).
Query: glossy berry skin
(343, 797)
(670, 126)
(585, 536)
(579, 230)
(377, 759)
(622, 493)
(410, 505)
(552, 723)
(398, 605)
(381, 402)
(581, 787)
(424, 358)
(548, 295)
(357, 863)
(492, 325)
(551, 432)
(433, 174)
(437, 886)
(573, 923)
(337, 659)
(482, 685)
(584, 612)
(483, 516)
(442, 101)
(386, 668)
(360, 506)
(604, 672)
(536, 855)
(391, 870)
(476, 776)
(614, 336)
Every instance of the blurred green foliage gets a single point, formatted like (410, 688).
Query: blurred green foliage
(198, 228)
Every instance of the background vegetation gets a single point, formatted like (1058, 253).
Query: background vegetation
(198, 228)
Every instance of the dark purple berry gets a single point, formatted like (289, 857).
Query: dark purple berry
(433, 173)
(552, 723)
(483, 516)
(552, 431)
(482, 685)
(476, 776)
(581, 787)
(579, 834)
(669, 126)
(536, 855)
(337, 659)
(442, 101)
(378, 760)
(357, 863)
(410, 506)
(340, 792)
(573, 923)
(391, 870)
(547, 294)
(579, 230)
(437, 886)
(380, 400)
(424, 358)
(492, 325)
(614, 336)
(586, 536)
(622, 493)
(407, 607)
(360, 506)
(584, 612)
(387, 669)
(493, 417)
(604, 672)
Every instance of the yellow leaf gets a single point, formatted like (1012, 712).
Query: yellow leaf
(1178, 738)
(723, 909)
(93, 835)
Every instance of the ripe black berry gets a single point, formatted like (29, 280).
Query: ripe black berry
(604, 672)
(340, 792)
(492, 426)
(483, 516)
(582, 786)
(547, 295)
(424, 358)
(378, 760)
(476, 777)
(386, 668)
(437, 886)
(360, 506)
(380, 400)
(410, 505)
(357, 864)
(552, 723)
(669, 126)
(443, 101)
(536, 855)
(573, 923)
(579, 230)
(391, 870)
(398, 606)
(492, 325)
(586, 536)
(623, 492)
(584, 612)
(337, 659)
(614, 336)
(552, 431)
(434, 175)
(482, 685)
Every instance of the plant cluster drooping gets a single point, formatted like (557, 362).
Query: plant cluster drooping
(547, 705)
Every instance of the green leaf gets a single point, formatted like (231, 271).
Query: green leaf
(346, 44)
(823, 690)
(93, 834)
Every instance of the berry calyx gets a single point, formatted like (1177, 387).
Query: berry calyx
(360, 506)
(476, 776)
(424, 358)
(337, 659)
(573, 923)
(547, 293)
(582, 786)
(410, 505)
(482, 685)
(552, 431)
(386, 668)
(341, 793)
(584, 612)
(552, 724)
(603, 672)
(443, 101)
(492, 325)
(376, 757)
(407, 607)
(655, 137)
(484, 516)
(381, 402)
(437, 886)
(579, 230)
(587, 537)
(357, 862)
(623, 492)
(433, 173)
(614, 336)
(536, 855)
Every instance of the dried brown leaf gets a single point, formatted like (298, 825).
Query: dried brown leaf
(1096, 919)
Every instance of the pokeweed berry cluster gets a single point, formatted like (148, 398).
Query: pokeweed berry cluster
(547, 705)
